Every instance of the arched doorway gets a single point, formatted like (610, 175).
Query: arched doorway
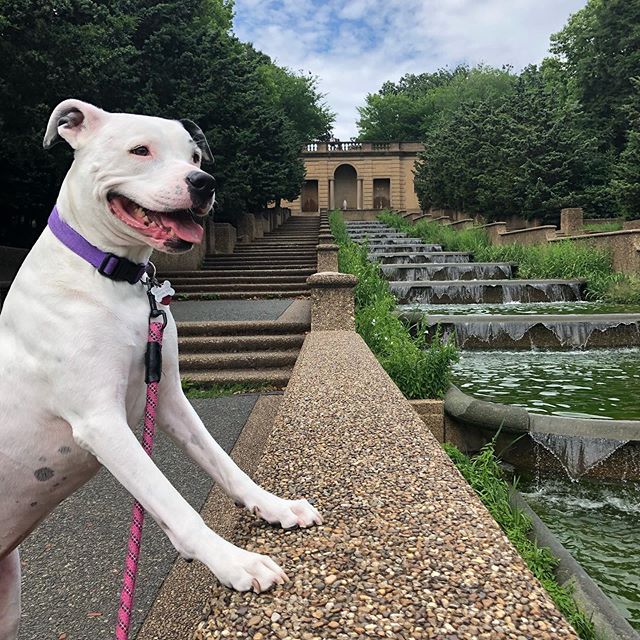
(346, 187)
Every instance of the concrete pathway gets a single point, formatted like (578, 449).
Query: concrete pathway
(72, 563)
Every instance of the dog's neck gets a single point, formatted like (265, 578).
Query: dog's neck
(96, 227)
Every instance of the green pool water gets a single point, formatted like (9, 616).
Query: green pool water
(524, 308)
(598, 524)
(601, 384)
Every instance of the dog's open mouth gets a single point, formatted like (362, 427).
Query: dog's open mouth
(159, 225)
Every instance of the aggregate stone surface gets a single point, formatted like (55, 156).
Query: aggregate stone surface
(406, 551)
(228, 310)
(72, 564)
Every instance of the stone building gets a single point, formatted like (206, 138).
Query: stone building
(360, 177)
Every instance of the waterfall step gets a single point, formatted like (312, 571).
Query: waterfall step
(450, 271)
(561, 331)
(487, 291)
(422, 257)
(403, 248)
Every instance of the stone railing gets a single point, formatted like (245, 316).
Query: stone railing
(352, 146)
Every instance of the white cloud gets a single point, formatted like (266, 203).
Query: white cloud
(354, 46)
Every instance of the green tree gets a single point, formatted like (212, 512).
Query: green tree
(175, 58)
(600, 47)
(417, 103)
(626, 182)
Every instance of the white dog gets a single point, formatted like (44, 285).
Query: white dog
(72, 345)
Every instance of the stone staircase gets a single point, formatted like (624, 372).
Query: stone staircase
(249, 352)
(274, 266)
(240, 352)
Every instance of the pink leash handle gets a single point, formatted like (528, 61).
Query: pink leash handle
(125, 610)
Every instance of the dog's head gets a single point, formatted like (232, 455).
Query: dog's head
(143, 173)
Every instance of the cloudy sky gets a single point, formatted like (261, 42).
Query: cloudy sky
(353, 46)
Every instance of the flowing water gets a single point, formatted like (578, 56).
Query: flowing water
(578, 514)
(520, 308)
(603, 383)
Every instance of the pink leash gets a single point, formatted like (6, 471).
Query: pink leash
(153, 363)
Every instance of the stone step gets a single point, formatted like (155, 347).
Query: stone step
(277, 377)
(231, 258)
(241, 328)
(242, 360)
(290, 251)
(526, 332)
(238, 278)
(249, 294)
(249, 271)
(450, 271)
(420, 258)
(235, 343)
(241, 286)
(486, 291)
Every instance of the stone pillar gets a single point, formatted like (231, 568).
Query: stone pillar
(210, 235)
(327, 257)
(265, 222)
(572, 221)
(246, 227)
(333, 304)
(332, 194)
(359, 198)
(225, 237)
(495, 230)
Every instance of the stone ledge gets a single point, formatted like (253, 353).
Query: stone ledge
(332, 279)
(406, 550)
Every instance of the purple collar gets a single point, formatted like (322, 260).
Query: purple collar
(107, 264)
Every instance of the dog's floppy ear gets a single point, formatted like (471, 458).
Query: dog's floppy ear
(72, 120)
(198, 137)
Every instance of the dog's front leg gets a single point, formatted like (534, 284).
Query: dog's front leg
(179, 419)
(111, 441)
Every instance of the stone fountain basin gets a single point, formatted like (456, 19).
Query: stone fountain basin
(583, 447)
(449, 271)
(487, 291)
(404, 247)
(561, 331)
(419, 257)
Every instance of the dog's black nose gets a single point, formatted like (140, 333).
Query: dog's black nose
(202, 183)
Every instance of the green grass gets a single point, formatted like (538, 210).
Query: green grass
(421, 369)
(193, 389)
(554, 260)
(603, 227)
(484, 474)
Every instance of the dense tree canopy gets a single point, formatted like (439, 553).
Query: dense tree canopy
(177, 58)
(564, 133)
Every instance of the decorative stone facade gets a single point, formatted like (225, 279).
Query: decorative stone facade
(358, 176)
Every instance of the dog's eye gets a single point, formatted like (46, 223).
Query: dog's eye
(196, 157)
(140, 151)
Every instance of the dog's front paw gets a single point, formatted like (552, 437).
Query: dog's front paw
(246, 571)
(287, 514)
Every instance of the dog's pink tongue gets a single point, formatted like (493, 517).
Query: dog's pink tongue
(184, 228)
